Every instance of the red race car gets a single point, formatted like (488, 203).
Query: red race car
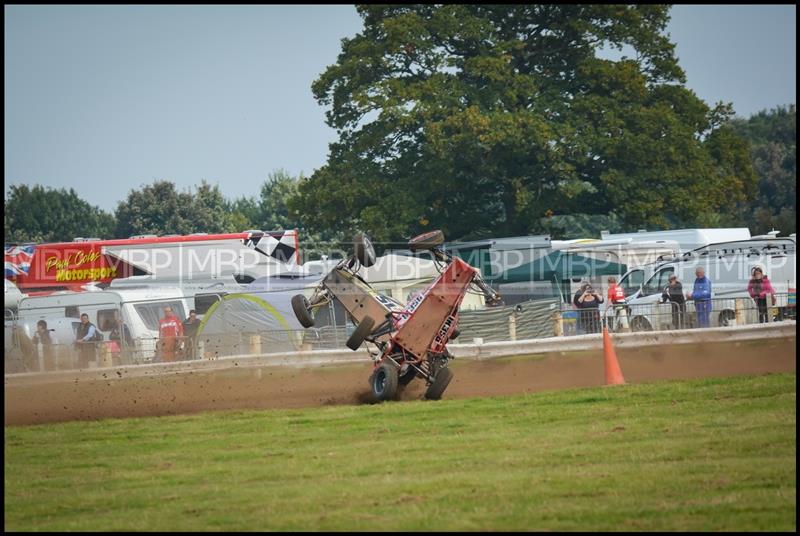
(412, 338)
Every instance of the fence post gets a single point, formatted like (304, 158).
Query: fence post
(255, 344)
(512, 326)
(738, 312)
(558, 323)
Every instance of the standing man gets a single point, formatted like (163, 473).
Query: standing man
(170, 330)
(86, 337)
(701, 294)
(190, 326)
(43, 337)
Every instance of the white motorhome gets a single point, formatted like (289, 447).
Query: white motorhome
(625, 251)
(139, 308)
(687, 239)
(729, 266)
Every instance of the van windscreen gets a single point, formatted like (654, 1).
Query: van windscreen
(152, 312)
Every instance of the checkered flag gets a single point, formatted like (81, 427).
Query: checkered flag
(281, 245)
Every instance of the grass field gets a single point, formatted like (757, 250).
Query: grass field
(694, 455)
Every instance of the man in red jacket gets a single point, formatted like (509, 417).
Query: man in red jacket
(170, 335)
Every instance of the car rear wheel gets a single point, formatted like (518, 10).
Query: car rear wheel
(425, 241)
(440, 383)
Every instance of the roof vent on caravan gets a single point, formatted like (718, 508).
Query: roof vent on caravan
(642, 231)
(138, 237)
(82, 239)
(604, 234)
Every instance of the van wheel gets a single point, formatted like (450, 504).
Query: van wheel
(302, 310)
(727, 318)
(362, 332)
(640, 323)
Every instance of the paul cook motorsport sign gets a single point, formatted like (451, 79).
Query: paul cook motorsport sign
(62, 265)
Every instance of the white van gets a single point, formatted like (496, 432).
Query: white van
(729, 267)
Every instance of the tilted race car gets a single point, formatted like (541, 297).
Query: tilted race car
(411, 339)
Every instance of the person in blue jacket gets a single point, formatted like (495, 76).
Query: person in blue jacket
(701, 294)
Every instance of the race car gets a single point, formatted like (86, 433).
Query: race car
(411, 339)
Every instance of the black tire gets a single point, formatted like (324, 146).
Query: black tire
(425, 241)
(640, 323)
(456, 333)
(364, 251)
(362, 331)
(302, 310)
(384, 382)
(440, 383)
(726, 316)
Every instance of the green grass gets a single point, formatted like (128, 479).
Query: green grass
(680, 456)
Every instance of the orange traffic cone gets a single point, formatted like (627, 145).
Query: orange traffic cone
(613, 372)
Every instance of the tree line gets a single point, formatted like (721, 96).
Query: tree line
(488, 120)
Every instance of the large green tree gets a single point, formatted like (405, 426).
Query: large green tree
(483, 119)
(773, 143)
(39, 214)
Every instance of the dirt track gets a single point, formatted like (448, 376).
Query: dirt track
(273, 387)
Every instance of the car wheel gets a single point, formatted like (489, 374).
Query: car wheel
(384, 382)
(440, 383)
(302, 310)
(364, 251)
(362, 332)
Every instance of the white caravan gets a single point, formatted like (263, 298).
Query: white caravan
(140, 309)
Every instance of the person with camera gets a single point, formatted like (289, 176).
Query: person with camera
(588, 301)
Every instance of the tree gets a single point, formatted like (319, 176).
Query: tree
(481, 119)
(209, 212)
(39, 214)
(242, 213)
(772, 136)
(273, 204)
(156, 209)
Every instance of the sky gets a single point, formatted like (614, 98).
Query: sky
(106, 99)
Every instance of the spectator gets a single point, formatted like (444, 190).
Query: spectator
(170, 332)
(588, 302)
(86, 342)
(43, 337)
(616, 297)
(673, 293)
(121, 336)
(701, 294)
(759, 288)
(190, 326)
